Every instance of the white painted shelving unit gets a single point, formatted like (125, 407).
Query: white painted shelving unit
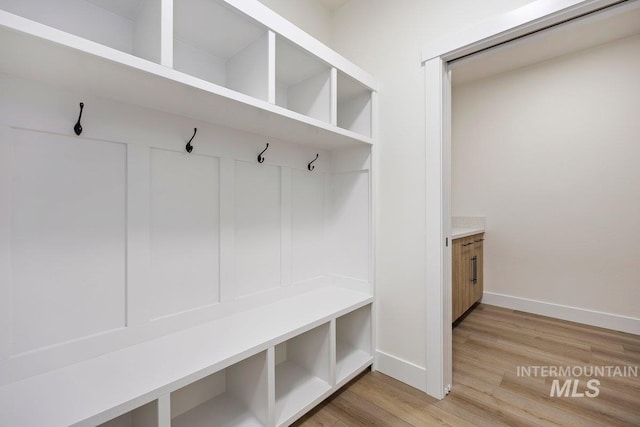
(353, 343)
(302, 374)
(141, 285)
(201, 67)
(234, 396)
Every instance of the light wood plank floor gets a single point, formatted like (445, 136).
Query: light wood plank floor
(488, 346)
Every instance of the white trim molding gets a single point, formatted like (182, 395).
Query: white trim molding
(600, 319)
(407, 372)
(530, 18)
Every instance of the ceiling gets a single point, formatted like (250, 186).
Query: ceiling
(613, 24)
(333, 4)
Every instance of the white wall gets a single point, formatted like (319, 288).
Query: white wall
(309, 15)
(386, 38)
(549, 154)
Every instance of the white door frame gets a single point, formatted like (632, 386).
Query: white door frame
(533, 17)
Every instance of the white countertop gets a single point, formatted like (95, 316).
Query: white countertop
(458, 232)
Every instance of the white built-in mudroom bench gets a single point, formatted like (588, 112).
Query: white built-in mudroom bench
(185, 215)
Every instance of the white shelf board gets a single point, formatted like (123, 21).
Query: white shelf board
(37, 52)
(221, 411)
(99, 389)
(350, 360)
(296, 391)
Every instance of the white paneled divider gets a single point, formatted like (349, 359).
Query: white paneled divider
(143, 285)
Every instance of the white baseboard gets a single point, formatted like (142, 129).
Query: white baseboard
(407, 372)
(616, 322)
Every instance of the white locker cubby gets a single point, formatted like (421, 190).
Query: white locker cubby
(303, 82)
(130, 26)
(303, 372)
(354, 105)
(220, 45)
(235, 396)
(353, 342)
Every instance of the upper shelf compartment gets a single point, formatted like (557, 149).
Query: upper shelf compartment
(215, 61)
(354, 106)
(303, 82)
(130, 26)
(217, 44)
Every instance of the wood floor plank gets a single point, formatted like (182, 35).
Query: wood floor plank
(411, 407)
(488, 347)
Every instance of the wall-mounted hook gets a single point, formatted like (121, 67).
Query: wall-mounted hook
(189, 147)
(310, 166)
(260, 158)
(78, 127)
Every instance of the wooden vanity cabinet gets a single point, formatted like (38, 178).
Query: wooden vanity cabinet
(467, 274)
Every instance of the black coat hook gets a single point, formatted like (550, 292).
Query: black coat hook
(310, 166)
(260, 158)
(189, 147)
(78, 127)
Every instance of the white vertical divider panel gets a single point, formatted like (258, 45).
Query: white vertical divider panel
(138, 234)
(307, 237)
(5, 239)
(227, 226)
(68, 238)
(334, 96)
(166, 33)
(164, 410)
(271, 387)
(184, 231)
(271, 74)
(285, 228)
(333, 349)
(374, 163)
(258, 221)
(349, 233)
(327, 258)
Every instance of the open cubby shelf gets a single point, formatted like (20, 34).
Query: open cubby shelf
(235, 396)
(354, 105)
(217, 44)
(131, 27)
(353, 343)
(302, 373)
(303, 82)
(214, 60)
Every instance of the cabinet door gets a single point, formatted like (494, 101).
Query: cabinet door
(478, 252)
(468, 253)
(467, 274)
(457, 284)
(462, 276)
